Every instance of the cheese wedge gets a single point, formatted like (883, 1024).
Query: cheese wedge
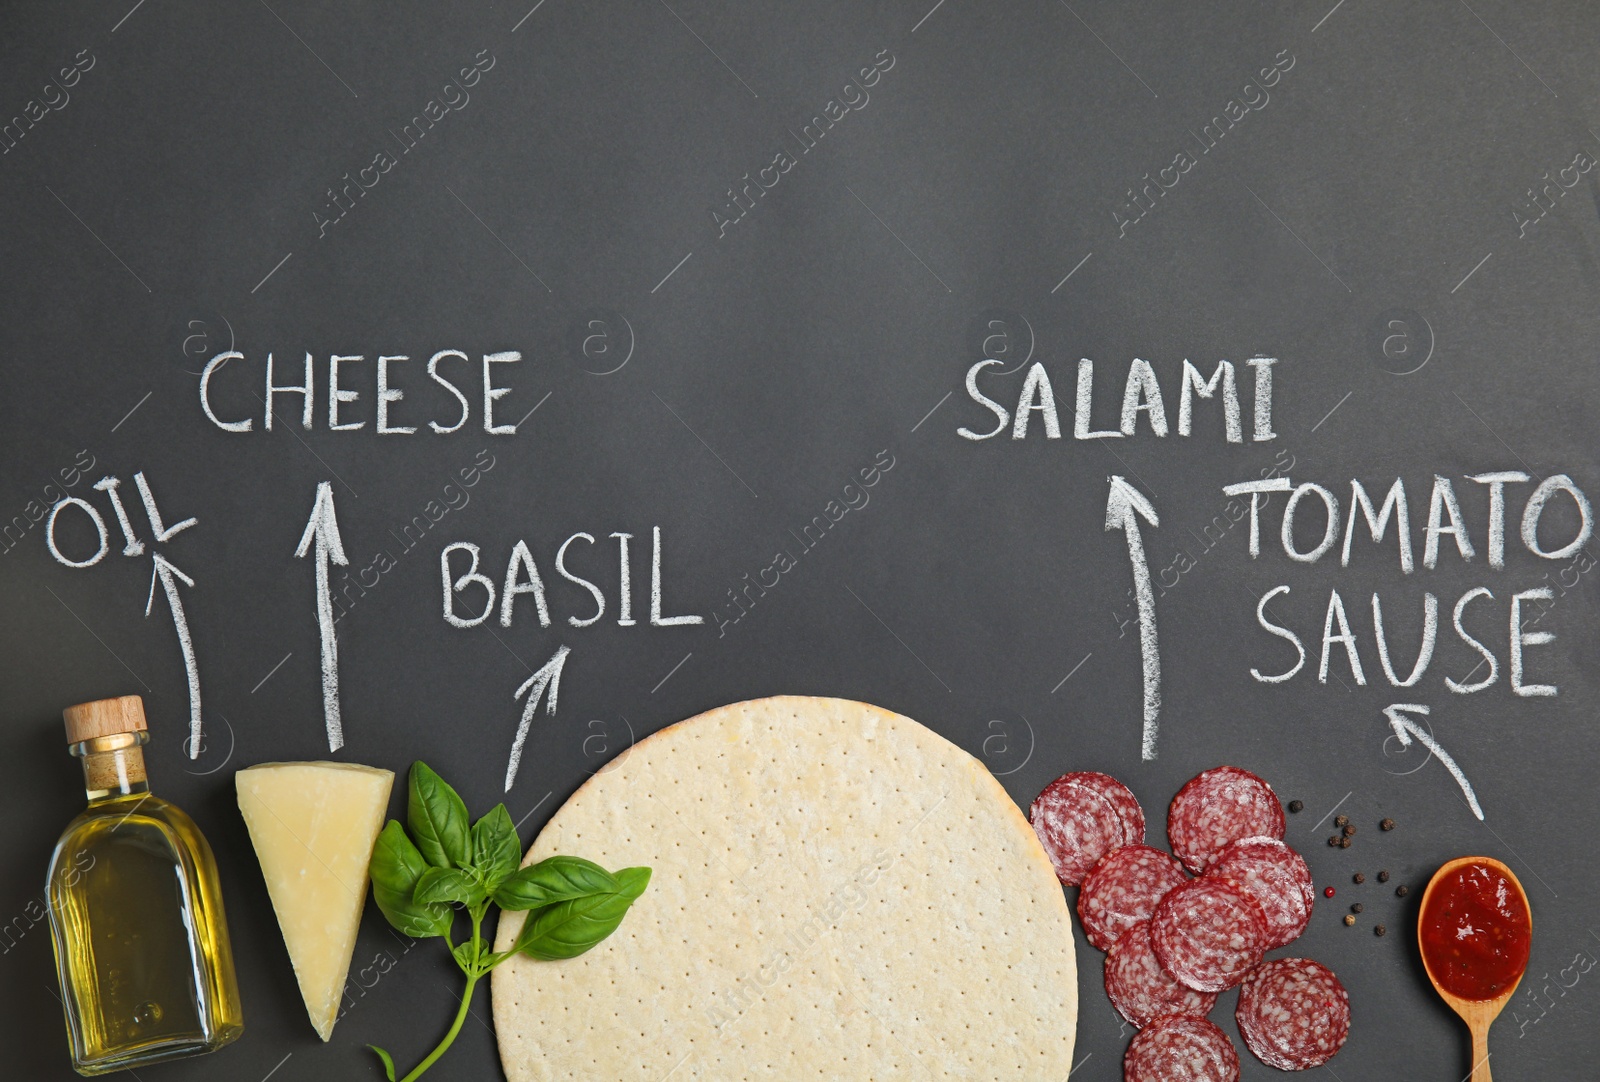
(313, 826)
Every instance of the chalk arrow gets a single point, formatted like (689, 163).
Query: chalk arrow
(170, 576)
(1125, 506)
(323, 529)
(547, 678)
(1405, 729)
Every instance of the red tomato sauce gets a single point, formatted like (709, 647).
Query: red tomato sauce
(1475, 932)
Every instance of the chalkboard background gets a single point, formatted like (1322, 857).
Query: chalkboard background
(168, 204)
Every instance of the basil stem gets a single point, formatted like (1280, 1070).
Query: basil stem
(473, 973)
(418, 880)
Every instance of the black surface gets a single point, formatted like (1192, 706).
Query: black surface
(143, 218)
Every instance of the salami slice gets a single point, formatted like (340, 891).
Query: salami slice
(1220, 806)
(1276, 877)
(1078, 824)
(1293, 1014)
(1119, 796)
(1124, 889)
(1141, 990)
(1208, 933)
(1180, 1050)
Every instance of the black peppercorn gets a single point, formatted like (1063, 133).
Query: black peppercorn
(1296, 806)
(1334, 840)
(1356, 907)
(1359, 878)
(1341, 820)
(1380, 930)
(1383, 877)
(1350, 830)
(1401, 891)
(1387, 824)
(1344, 843)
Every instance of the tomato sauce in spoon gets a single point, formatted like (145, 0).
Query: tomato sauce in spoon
(1475, 932)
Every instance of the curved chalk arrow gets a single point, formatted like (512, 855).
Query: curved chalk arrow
(1405, 729)
(1124, 507)
(323, 528)
(548, 677)
(170, 576)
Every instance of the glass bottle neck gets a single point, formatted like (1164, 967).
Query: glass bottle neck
(113, 766)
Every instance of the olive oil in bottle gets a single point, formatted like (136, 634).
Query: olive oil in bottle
(141, 942)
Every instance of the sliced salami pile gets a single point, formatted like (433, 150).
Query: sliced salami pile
(1173, 943)
(1276, 877)
(1209, 933)
(1124, 889)
(1293, 1014)
(1080, 817)
(1181, 1050)
(1141, 990)
(1218, 807)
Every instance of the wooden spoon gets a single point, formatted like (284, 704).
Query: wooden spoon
(1476, 1013)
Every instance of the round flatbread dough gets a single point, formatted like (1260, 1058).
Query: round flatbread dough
(838, 892)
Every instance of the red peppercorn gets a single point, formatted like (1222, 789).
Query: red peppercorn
(1327, 892)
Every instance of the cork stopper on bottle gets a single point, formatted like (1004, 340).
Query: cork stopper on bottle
(104, 717)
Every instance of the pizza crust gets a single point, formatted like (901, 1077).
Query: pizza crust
(838, 892)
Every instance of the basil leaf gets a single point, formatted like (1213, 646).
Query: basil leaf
(388, 1062)
(568, 929)
(443, 885)
(495, 850)
(438, 819)
(395, 867)
(554, 879)
(466, 955)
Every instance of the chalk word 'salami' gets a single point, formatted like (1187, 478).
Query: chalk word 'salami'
(1141, 393)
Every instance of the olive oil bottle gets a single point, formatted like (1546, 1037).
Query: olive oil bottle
(136, 915)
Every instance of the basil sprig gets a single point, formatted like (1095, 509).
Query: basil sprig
(421, 878)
